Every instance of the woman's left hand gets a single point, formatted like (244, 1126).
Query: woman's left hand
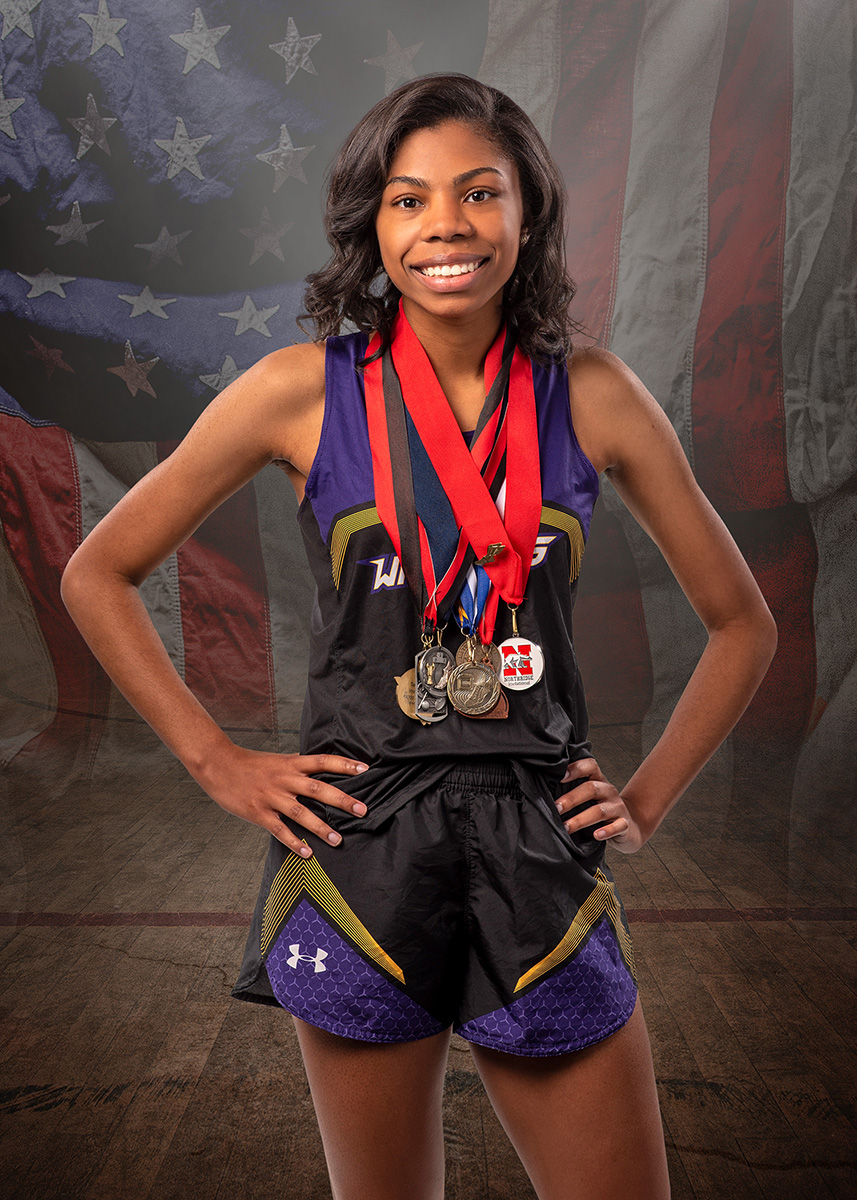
(605, 808)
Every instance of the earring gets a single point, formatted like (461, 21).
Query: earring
(525, 237)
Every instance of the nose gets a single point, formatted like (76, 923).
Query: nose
(445, 218)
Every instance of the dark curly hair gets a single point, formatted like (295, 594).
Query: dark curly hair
(352, 286)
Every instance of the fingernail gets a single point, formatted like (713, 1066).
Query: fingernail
(334, 839)
(558, 806)
(359, 809)
(304, 852)
(360, 768)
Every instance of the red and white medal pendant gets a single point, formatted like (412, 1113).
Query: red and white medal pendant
(522, 663)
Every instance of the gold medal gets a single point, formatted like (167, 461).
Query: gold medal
(473, 689)
(406, 694)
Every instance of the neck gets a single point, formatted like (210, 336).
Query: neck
(457, 349)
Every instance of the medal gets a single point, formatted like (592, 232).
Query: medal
(471, 652)
(523, 663)
(434, 666)
(473, 689)
(430, 706)
(406, 696)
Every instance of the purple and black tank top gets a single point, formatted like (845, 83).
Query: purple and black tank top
(366, 630)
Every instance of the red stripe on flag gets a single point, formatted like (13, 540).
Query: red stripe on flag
(738, 425)
(590, 140)
(225, 618)
(42, 523)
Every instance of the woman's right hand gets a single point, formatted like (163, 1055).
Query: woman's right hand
(262, 787)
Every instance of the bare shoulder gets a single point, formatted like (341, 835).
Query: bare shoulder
(269, 412)
(610, 406)
(283, 384)
(292, 370)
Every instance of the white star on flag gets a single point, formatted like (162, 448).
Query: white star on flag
(397, 63)
(286, 160)
(294, 50)
(227, 374)
(248, 316)
(46, 281)
(183, 151)
(266, 237)
(50, 357)
(146, 302)
(7, 107)
(105, 29)
(75, 228)
(16, 15)
(135, 373)
(92, 128)
(166, 246)
(200, 42)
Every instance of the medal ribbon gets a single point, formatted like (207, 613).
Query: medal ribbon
(435, 496)
(404, 480)
(471, 601)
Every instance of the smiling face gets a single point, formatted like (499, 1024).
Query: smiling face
(449, 222)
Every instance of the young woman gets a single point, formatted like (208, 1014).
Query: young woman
(437, 852)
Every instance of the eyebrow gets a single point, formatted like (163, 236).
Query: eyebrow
(413, 181)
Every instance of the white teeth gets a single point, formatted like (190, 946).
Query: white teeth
(446, 269)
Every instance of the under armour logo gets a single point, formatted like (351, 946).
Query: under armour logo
(317, 958)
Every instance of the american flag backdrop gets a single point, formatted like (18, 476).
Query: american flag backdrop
(162, 172)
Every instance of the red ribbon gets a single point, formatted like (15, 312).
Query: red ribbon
(460, 468)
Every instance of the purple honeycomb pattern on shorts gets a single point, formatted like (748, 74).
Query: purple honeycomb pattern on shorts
(589, 998)
(348, 997)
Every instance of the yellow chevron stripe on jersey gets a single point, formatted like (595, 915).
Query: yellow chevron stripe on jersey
(341, 534)
(570, 525)
(601, 900)
(298, 875)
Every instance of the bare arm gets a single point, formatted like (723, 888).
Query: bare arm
(273, 411)
(624, 431)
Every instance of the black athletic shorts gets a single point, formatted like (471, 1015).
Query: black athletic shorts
(469, 906)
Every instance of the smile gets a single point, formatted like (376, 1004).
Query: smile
(450, 269)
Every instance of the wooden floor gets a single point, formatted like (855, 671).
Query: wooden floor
(127, 1072)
